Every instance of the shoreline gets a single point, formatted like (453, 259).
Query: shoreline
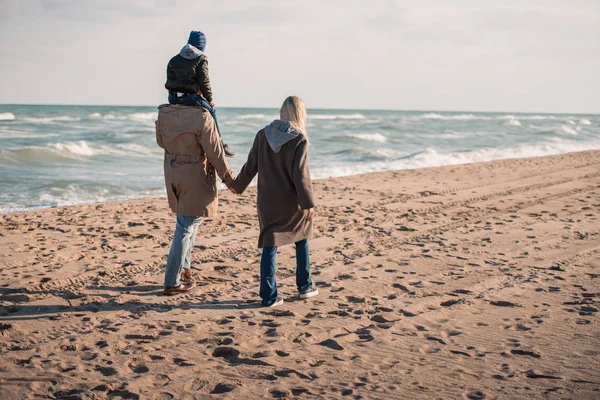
(471, 281)
(118, 200)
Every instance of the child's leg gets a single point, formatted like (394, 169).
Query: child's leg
(268, 285)
(303, 280)
(201, 101)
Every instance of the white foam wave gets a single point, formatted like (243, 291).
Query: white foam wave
(80, 148)
(460, 117)
(50, 120)
(336, 116)
(569, 130)
(584, 121)
(256, 116)
(372, 137)
(513, 122)
(84, 149)
(95, 115)
(148, 116)
(6, 116)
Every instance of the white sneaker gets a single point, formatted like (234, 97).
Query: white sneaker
(276, 303)
(310, 292)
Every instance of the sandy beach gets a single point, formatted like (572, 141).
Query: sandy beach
(476, 281)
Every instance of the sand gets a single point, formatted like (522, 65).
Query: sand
(472, 281)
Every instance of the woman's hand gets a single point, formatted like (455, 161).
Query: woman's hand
(311, 214)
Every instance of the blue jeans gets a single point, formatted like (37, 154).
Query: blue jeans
(195, 100)
(268, 285)
(181, 248)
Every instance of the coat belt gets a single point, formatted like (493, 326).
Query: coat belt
(182, 158)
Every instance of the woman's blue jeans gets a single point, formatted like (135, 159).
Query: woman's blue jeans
(268, 284)
(195, 100)
(181, 248)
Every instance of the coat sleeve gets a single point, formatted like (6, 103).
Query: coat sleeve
(210, 141)
(203, 79)
(249, 169)
(301, 176)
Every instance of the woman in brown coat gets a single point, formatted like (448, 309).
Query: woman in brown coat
(285, 201)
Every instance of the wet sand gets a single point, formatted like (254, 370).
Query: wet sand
(472, 281)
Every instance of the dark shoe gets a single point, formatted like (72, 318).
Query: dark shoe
(173, 290)
(228, 151)
(310, 292)
(274, 303)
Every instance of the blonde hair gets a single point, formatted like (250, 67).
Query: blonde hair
(293, 111)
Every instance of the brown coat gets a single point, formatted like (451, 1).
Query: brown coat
(284, 189)
(193, 151)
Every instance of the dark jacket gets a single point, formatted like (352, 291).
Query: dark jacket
(187, 72)
(279, 156)
(193, 153)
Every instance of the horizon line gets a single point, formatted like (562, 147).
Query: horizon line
(314, 108)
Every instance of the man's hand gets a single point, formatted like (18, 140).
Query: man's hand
(232, 190)
(212, 103)
(311, 214)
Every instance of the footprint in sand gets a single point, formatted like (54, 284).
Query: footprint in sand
(163, 396)
(223, 388)
(160, 380)
(475, 395)
(196, 384)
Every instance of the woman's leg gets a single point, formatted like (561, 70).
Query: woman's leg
(303, 280)
(182, 240)
(268, 284)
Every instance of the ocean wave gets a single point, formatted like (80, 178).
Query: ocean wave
(6, 116)
(336, 116)
(371, 137)
(434, 158)
(59, 195)
(584, 121)
(79, 150)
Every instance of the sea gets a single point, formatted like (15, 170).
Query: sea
(59, 155)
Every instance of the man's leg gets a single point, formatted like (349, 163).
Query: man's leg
(303, 280)
(188, 255)
(268, 284)
(182, 240)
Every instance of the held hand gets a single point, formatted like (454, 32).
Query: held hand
(232, 190)
(212, 103)
(311, 214)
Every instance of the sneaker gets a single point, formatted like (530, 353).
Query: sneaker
(310, 292)
(278, 301)
(228, 151)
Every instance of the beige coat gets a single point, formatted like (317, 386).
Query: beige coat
(193, 151)
(284, 185)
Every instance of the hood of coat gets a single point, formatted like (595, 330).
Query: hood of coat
(190, 52)
(279, 133)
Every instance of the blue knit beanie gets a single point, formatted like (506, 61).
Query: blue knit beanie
(198, 40)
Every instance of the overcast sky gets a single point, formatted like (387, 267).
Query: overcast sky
(492, 55)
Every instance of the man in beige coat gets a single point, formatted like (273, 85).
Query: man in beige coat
(194, 156)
